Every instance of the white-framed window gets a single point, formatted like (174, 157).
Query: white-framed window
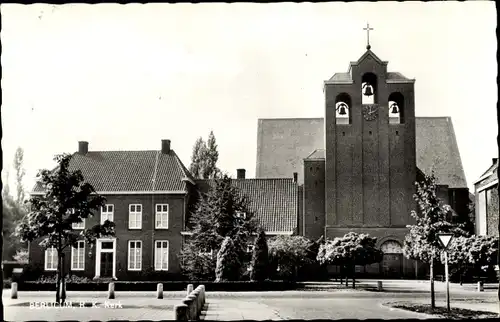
(161, 255)
(107, 213)
(134, 255)
(135, 216)
(162, 216)
(78, 256)
(51, 259)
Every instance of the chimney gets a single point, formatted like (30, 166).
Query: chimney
(165, 146)
(83, 147)
(240, 173)
(495, 160)
(295, 176)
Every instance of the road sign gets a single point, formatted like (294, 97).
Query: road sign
(445, 239)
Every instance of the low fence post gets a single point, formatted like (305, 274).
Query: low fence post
(198, 299)
(111, 291)
(13, 290)
(203, 294)
(159, 291)
(194, 306)
(189, 289)
(189, 304)
(480, 286)
(379, 286)
(180, 312)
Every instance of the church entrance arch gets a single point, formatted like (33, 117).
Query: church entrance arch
(392, 262)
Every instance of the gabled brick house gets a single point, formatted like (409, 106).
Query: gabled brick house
(148, 197)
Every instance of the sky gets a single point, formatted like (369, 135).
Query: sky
(124, 77)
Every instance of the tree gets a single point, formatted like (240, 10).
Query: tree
(228, 262)
(287, 254)
(12, 213)
(20, 172)
(457, 255)
(204, 158)
(211, 156)
(21, 256)
(350, 250)
(215, 218)
(67, 200)
(422, 243)
(197, 166)
(475, 251)
(260, 258)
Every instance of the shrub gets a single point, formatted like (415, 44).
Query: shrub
(228, 262)
(287, 254)
(260, 259)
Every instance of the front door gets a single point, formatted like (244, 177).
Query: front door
(106, 264)
(392, 265)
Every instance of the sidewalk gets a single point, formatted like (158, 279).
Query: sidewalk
(231, 310)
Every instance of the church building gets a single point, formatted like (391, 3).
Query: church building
(358, 165)
(352, 171)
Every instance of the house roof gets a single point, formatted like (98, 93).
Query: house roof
(282, 144)
(130, 171)
(274, 202)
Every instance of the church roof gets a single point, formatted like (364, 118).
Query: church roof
(390, 76)
(274, 202)
(317, 154)
(282, 144)
(129, 171)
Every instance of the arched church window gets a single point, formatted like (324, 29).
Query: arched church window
(391, 247)
(343, 109)
(396, 108)
(369, 89)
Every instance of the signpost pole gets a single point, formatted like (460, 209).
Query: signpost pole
(447, 281)
(445, 240)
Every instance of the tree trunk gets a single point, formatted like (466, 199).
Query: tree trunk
(63, 280)
(433, 300)
(58, 278)
(354, 276)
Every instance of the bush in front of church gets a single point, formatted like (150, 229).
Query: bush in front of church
(348, 251)
(288, 255)
(228, 262)
(260, 259)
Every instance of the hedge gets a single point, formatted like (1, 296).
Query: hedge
(150, 286)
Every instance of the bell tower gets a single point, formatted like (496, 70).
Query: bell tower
(370, 162)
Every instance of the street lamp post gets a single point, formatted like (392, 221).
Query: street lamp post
(445, 240)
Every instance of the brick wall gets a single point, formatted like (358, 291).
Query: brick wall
(146, 234)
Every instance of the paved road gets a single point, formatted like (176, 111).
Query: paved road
(328, 301)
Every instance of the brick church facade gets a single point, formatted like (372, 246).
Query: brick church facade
(357, 166)
(353, 170)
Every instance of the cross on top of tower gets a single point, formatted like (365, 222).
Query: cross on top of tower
(368, 35)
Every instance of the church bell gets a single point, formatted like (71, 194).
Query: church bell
(341, 109)
(395, 109)
(368, 90)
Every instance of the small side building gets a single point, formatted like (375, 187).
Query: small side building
(486, 199)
